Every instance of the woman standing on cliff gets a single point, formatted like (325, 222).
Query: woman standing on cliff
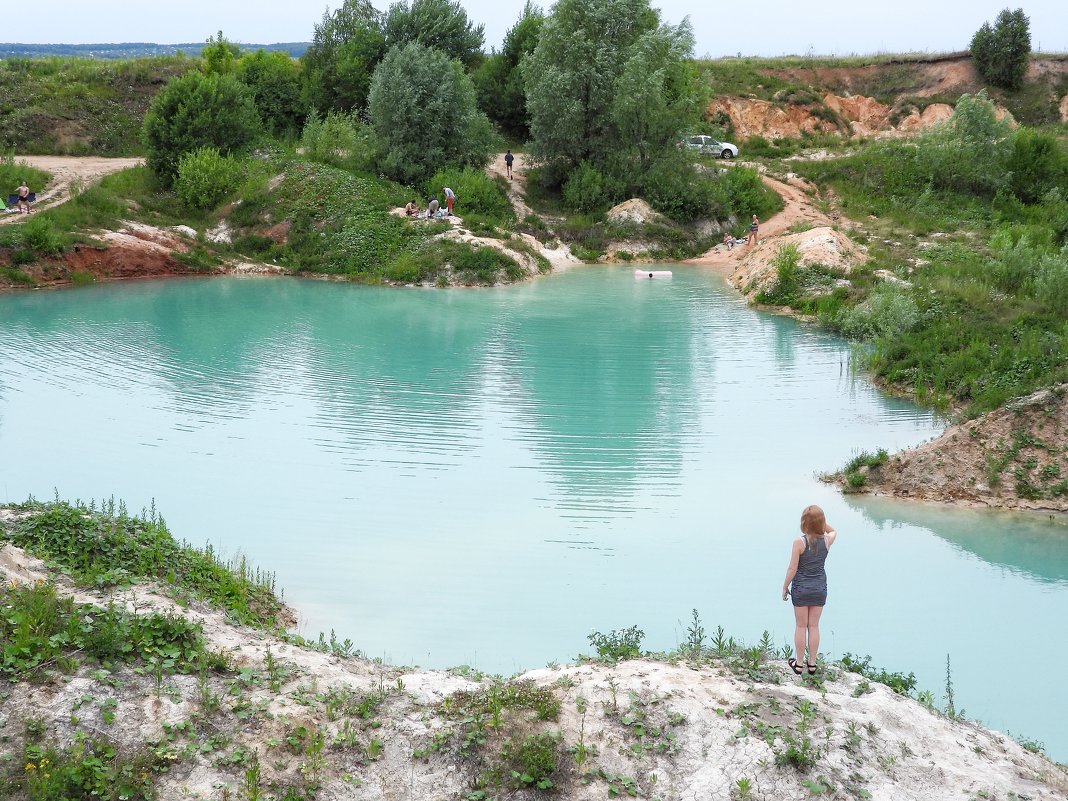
(806, 583)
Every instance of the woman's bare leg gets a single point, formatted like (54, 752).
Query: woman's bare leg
(800, 629)
(813, 629)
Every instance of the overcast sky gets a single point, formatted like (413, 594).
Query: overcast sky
(728, 27)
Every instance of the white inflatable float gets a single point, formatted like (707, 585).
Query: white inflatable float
(652, 273)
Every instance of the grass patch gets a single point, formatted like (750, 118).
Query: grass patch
(80, 106)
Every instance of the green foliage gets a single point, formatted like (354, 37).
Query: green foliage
(787, 272)
(1001, 54)
(476, 193)
(220, 55)
(88, 769)
(584, 190)
(888, 311)
(340, 139)
(1037, 165)
(275, 82)
(345, 49)
(205, 178)
(532, 761)
(618, 645)
(107, 548)
(898, 682)
(41, 628)
(499, 79)
(441, 24)
(422, 107)
(197, 111)
(41, 235)
(606, 80)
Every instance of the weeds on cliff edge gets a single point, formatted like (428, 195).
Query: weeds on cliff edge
(898, 682)
(618, 645)
(856, 469)
(41, 631)
(108, 547)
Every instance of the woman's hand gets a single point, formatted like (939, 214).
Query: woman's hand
(785, 594)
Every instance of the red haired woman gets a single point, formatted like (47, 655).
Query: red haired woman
(806, 584)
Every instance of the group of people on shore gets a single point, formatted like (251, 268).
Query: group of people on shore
(433, 207)
(751, 239)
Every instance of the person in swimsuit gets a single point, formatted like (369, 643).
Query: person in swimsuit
(753, 228)
(806, 585)
(23, 193)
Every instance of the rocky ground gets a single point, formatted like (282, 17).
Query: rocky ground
(287, 717)
(1015, 457)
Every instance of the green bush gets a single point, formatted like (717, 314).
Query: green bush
(618, 645)
(672, 186)
(1037, 164)
(40, 235)
(584, 189)
(195, 111)
(887, 311)
(341, 140)
(205, 178)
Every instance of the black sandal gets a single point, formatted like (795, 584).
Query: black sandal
(795, 666)
(811, 669)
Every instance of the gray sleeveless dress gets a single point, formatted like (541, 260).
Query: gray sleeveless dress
(809, 587)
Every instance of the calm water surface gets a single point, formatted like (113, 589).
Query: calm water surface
(486, 476)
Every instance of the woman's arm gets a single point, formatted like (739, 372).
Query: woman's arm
(829, 535)
(795, 554)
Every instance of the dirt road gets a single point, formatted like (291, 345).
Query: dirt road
(81, 171)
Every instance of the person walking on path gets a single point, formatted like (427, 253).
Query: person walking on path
(754, 226)
(450, 199)
(24, 197)
(806, 585)
(508, 159)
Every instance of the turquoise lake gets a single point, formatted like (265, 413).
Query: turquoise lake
(486, 476)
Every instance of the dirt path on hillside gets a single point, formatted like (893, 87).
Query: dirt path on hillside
(799, 209)
(81, 171)
(517, 186)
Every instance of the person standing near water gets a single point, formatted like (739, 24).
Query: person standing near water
(450, 198)
(806, 585)
(754, 227)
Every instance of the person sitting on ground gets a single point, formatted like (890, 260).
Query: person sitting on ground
(432, 208)
(728, 240)
(412, 208)
(24, 197)
(450, 199)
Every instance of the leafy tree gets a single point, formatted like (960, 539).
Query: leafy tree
(220, 55)
(422, 107)
(435, 23)
(346, 47)
(198, 110)
(1001, 53)
(499, 80)
(652, 98)
(570, 77)
(274, 79)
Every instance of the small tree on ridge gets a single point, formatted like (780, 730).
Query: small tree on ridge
(1001, 53)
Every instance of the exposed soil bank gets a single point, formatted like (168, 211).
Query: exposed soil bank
(1015, 457)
